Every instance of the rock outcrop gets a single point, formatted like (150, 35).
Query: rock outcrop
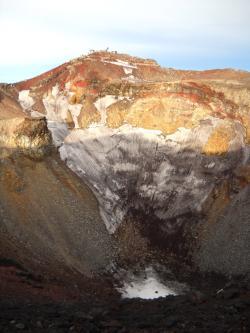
(20, 131)
(29, 135)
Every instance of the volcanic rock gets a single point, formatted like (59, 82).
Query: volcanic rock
(159, 161)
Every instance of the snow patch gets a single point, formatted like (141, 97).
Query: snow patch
(55, 91)
(27, 102)
(210, 165)
(67, 86)
(181, 135)
(36, 114)
(122, 63)
(147, 287)
(75, 112)
(127, 67)
(57, 108)
(103, 103)
(131, 79)
(56, 105)
(118, 162)
(128, 70)
(59, 131)
(25, 99)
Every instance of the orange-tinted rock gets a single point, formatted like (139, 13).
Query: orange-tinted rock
(219, 141)
(160, 98)
(89, 114)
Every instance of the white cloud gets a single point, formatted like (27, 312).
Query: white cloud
(37, 32)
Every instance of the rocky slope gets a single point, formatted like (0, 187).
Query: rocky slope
(51, 233)
(165, 152)
(148, 139)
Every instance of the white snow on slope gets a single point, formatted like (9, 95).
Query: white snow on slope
(27, 102)
(25, 99)
(59, 131)
(131, 79)
(75, 110)
(118, 162)
(148, 286)
(166, 173)
(57, 107)
(128, 68)
(103, 103)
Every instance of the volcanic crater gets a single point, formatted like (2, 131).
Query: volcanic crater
(122, 181)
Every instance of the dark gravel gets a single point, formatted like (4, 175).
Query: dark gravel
(226, 310)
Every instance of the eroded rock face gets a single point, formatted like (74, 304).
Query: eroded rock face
(157, 146)
(30, 135)
(17, 129)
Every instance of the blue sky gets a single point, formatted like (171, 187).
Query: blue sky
(195, 34)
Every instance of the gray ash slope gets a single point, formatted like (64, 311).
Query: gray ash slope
(50, 220)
